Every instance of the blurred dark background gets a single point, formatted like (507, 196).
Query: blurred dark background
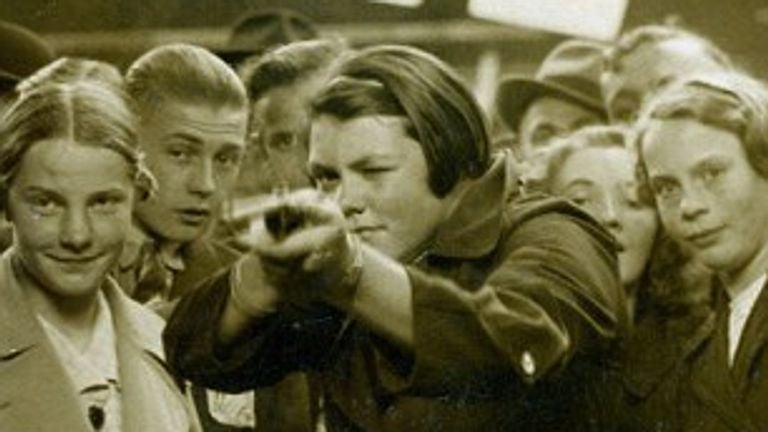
(120, 30)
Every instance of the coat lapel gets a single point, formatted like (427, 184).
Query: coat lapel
(753, 342)
(202, 259)
(711, 381)
(35, 391)
(151, 399)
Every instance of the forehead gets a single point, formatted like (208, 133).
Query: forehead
(556, 110)
(674, 145)
(287, 101)
(205, 123)
(65, 165)
(614, 163)
(338, 142)
(282, 106)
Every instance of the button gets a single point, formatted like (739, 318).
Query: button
(528, 363)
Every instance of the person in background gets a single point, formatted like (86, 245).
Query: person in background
(408, 285)
(669, 296)
(563, 96)
(595, 168)
(24, 52)
(265, 29)
(646, 59)
(281, 85)
(703, 146)
(77, 353)
(192, 115)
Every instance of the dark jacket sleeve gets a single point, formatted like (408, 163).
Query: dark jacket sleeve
(286, 341)
(554, 293)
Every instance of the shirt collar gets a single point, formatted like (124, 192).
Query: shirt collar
(473, 227)
(97, 364)
(138, 243)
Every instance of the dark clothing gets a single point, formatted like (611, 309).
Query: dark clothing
(690, 386)
(718, 398)
(517, 309)
(654, 365)
(283, 407)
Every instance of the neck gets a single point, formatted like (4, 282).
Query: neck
(73, 316)
(737, 281)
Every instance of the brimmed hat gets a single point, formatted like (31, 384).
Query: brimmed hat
(570, 71)
(264, 29)
(22, 52)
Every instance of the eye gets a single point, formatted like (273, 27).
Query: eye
(711, 173)
(665, 190)
(107, 203)
(542, 134)
(325, 181)
(229, 159)
(375, 170)
(282, 141)
(180, 154)
(43, 205)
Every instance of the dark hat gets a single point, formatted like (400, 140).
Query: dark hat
(571, 71)
(264, 29)
(22, 52)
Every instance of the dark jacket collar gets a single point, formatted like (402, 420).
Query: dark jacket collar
(474, 227)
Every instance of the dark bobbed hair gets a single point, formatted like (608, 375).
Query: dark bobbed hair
(289, 64)
(731, 101)
(82, 112)
(439, 110)
(183, 73)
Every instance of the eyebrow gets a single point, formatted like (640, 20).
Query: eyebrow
(579, 182)
(185, 137)
(371, 159)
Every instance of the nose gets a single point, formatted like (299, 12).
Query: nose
(76, 232)
(692, 204)
(350, 197)
(610, 215)
(202, 181)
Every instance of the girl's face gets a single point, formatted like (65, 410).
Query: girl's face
(70, 206)
(602, 181)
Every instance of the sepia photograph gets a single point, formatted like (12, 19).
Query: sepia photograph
(383, 215)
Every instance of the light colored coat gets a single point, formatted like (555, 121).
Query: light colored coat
(36, 393)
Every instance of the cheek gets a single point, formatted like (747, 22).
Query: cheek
(642, 225)
(111, 230)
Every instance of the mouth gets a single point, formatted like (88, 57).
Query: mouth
(704, 238)
(194, 216)
(75, 260)
(364, 232)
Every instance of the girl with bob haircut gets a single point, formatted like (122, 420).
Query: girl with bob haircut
(75, 353)
(410, 284)
(703, 145)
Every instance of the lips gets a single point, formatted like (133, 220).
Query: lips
(194, 215)
(705, 237)
(75, 259)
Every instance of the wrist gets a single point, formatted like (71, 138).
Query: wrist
(242, 290)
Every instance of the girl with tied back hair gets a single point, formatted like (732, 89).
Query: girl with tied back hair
(75, 353)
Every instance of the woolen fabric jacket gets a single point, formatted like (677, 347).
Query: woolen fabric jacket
(36, 393)
(517, 310)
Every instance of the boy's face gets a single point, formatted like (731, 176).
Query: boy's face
(194, 153)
